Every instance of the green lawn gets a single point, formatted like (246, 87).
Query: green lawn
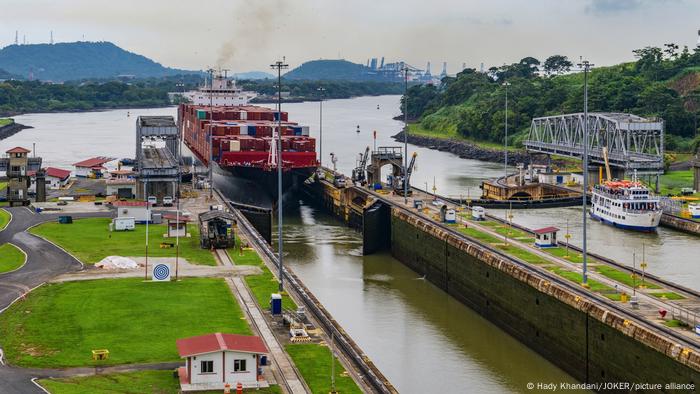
(90, 241)
(143, 382)
(314, 364)
(578, 278)
(672, 182)
(261, 285)
(506, 230)
(6, 121)
(624, 277)
(669, 295)
(11, 258)
(58, 325)
(4, 218)
(499, 243)
(574, 256)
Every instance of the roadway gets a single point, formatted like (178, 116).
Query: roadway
(44, 262)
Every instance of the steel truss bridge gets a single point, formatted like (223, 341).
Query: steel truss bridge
(634, 143)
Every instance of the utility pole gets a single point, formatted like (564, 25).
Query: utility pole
(279, 66)
(586, 65)
(211, 136)
(320, 126)
(177, 206)
(148, 219)
(405, 135)
(505, 163)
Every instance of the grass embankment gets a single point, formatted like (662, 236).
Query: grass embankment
(143, 382)
(314, 363)
(673, 181)
(668, 295)
(4, 218)
(90, 241)
(6, 121)
(58, 325)
(449, 132)
(261, 285)
(11, 258)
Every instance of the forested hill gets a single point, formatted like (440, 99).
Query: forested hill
(334, 70)
(78, 60)
(662, 82)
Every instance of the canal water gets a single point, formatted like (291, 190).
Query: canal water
(422, 339)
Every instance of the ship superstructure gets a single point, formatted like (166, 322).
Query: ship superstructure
(244, 138)
(626, 204)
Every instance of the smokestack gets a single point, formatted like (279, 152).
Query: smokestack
(51, 37)
(698, 43)
(16, 37)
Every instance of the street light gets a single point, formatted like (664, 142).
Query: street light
(405, 135)
(505, 163)
(320, 126)
(279, 66)
(211, 137)
(586, 65)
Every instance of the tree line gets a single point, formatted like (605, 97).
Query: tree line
(662, 82)
(92, 94)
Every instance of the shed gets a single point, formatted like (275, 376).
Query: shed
(546, 237)
(214, 360)
(216, 229)
(177, 226)
(133, 209)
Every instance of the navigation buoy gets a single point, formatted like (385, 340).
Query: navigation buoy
(358, 128)
(377, 106)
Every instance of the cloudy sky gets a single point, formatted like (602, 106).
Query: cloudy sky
(249, 34)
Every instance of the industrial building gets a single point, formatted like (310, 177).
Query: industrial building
(156, 156)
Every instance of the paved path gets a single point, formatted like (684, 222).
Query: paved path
(44, 261)
(185, 270)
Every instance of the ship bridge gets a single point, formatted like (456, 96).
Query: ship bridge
(633, 143)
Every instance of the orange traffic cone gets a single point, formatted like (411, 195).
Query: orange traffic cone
(239, 388)
(227, 388)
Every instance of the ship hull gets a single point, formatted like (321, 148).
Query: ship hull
(256, 186)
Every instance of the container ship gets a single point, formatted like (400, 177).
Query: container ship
(626, 204)
(244, 140)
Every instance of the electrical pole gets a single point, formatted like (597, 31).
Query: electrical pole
(148, 219)
(405, 135)
(211, 136)
(505, 163)
(279, 66)
(320, 126)
(586, 65)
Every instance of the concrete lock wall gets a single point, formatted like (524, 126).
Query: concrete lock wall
(581, 337)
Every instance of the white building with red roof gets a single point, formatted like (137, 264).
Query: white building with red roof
(214, 360)
(91, 168)
(56, 178)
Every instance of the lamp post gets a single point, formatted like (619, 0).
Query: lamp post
(586, 65)
(320, 126)
(211, 137)
(405, 135)
(505, 162)
(279, 66)
(148, 219)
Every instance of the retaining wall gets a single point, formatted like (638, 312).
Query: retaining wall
(581, 336)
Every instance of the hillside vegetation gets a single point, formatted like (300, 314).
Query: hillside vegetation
(334, 70)
(662, 82)
(78, 60)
